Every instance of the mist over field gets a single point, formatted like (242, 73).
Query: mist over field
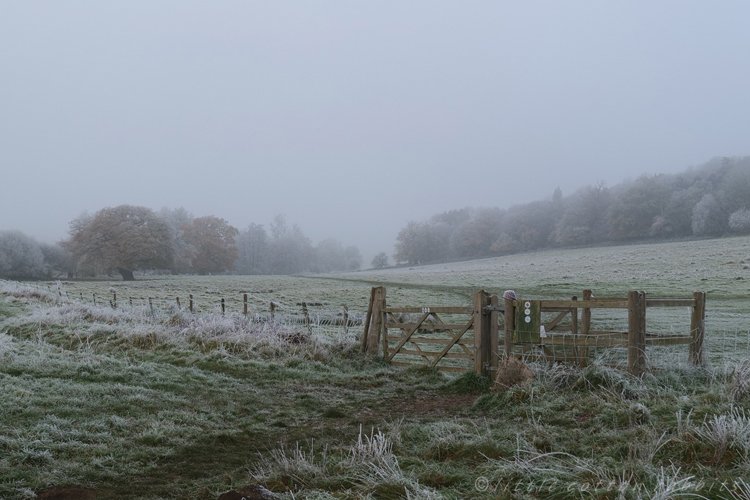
(414, 250)
(354, 119)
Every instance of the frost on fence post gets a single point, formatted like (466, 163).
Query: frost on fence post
(307, 317)
(698, 329)
(346, 319)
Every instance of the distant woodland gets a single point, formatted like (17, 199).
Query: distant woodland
(711, 200)
(707, 201)
(127, 239)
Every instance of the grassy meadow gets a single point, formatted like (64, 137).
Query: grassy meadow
(130, 403)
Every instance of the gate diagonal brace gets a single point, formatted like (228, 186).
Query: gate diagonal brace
(408, 335)
(453, 342)
(450, 332)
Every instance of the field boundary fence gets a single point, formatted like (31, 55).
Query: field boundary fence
(479, 336)
(311, 317)
(446, 338)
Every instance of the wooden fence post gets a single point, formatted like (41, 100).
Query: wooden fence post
(114, 300)
(376, 320)
(307, 317)
(586, 314)
(494, 334)
(482, 346)
(384, 329)
(510, 325)
(178, 303)
(368, 319)
(223, 306)
(190, 302)
(244, 304)
(698, 329)
(94, 299)
(346, 319)
(636, 332)
(272, 309)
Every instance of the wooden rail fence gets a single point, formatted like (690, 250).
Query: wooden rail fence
(448, 338)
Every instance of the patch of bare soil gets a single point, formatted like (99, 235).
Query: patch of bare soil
(425, 405)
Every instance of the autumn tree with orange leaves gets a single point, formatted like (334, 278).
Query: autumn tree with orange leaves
(213, 240)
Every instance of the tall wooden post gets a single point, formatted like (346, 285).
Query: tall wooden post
(244, 304)
(510, 325)
(482, 347)
(494, 334)
(368, 320)
(384, 331)
(586, 314)
(376, 320)
(636, 332)
(272, 309)
(178, 303)
(698, 329)
(114, 300)
(94, 299)
(346, 319)
(306, 314)
(190, 302)
(223, 306)
(579, 353)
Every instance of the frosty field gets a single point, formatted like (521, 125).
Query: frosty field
(130, 403)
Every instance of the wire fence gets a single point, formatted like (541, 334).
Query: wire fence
(727, 335)
(304, 317)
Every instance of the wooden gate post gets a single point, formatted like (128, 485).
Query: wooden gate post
(372, 332)
(482, 344)
(586, 314)
(698, 329)
(636, 332)
(509, 326)
(494, 335)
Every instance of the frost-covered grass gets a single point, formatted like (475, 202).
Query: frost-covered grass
(168, 404)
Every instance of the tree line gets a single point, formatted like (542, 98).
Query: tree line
(707, 201)
(126, 239)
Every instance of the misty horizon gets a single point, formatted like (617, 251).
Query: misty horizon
(354, 119)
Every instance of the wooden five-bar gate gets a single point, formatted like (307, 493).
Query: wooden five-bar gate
(468, 338)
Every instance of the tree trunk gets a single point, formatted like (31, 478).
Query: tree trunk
(127, 274)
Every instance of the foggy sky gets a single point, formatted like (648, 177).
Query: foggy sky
(353, 117)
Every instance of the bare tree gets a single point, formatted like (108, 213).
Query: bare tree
(380, 260)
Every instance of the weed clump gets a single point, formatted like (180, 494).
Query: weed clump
(740, 388)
